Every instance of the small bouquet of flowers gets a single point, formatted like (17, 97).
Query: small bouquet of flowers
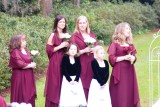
(34, 53)
(67, 37)
(129, 50)
(89, 42)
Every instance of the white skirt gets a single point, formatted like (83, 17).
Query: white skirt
(72, 95)
(98, 97)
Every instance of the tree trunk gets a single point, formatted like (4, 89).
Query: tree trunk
(5, 3)
(46, 7)
(77, 2)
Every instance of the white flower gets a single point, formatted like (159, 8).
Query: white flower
(15, 104)
(67, 35)
(89, 40)
(34, 52)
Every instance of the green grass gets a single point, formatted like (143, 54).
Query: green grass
(142, 43)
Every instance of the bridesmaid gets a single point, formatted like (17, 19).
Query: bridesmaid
(123, 82)
(55, 51)
(82, 31)
(23, 88)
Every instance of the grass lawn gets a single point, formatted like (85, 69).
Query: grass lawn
(142, 43)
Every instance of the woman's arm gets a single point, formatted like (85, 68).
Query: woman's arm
(65, 69)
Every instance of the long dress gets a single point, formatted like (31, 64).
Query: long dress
(72, 95)
(85, 59)
(98, 96)
(123, 81)
(23, 88)
(54, 75)
(3, 102)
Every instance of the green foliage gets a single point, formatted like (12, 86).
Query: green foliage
(156, 6)
(103, 17)
(20, 7)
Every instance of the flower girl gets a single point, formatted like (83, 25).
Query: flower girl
(99, 90)
(72, 94)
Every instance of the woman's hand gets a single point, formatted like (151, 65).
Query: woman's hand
(132, 58)
(87, 49)
(127, 57)
(33, 65)
(64, 44)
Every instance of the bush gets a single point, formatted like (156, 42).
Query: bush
(156, 6)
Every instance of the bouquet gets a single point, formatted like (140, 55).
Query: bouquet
(67, 37)
(89, 42)
(34, 53)
(129, 50)
(15, 104)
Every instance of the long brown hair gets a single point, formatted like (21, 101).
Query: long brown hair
(57, 19)
(15, 42)
(119, 34)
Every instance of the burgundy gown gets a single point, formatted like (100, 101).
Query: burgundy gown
(54, 74)
(123, 81)
(85, 59)
(23, 87)
(3, 102)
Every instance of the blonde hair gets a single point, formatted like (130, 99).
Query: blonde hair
(77, 22)
(15, 42)
(96, 49)
(119, 36)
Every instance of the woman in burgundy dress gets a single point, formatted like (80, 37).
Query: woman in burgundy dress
(123, 81)
(82, 31)
(55, 51)
(23, 88)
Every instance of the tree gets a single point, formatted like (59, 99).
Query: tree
(46, 7)
(76, 2)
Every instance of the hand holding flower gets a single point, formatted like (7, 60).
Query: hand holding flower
(130, 49)
(89, 42)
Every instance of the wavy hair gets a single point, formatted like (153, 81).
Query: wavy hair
(15, 42)
(119, 35)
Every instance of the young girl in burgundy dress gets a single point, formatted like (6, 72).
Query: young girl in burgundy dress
(122, 56)
(99, 95)
(23, 87)
(72, 94)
